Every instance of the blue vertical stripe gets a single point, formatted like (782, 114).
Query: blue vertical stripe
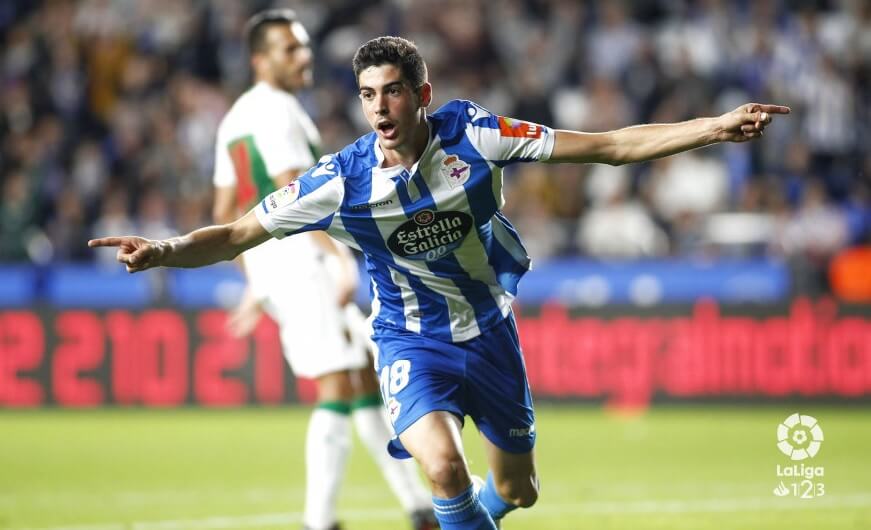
(482, 205)
(508, 269)
(360, 225)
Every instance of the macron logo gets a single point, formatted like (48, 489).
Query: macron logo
(369, 206)
(521, 433)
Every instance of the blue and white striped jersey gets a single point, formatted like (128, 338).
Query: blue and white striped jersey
(444, 261)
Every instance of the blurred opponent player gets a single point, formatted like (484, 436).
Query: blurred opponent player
(264, 142)
(421, 196)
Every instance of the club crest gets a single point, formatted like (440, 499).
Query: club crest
(455, 171)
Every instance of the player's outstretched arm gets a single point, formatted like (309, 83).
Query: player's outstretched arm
(201, 247)
(646, 142)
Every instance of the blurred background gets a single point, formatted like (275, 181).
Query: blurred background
(735, 276)
(109, 112)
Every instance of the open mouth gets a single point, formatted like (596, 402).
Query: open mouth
(387, 129)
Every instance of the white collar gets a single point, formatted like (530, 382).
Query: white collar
(392, 171)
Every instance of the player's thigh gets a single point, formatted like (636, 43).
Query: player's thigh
(366, 381)
(434, 435)
(418, 376)
(435, 441)
(335, 386)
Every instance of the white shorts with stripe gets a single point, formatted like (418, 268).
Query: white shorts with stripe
(295, 284)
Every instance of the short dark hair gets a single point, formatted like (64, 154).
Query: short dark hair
(257, 25)
(392, 50)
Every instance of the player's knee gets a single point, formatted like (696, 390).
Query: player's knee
(522, 492)
(447, 472)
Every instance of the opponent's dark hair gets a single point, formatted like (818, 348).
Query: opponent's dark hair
(257, 25)
(392, 50)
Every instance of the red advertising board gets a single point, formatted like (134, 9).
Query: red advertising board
(167, 357)
(810, 351)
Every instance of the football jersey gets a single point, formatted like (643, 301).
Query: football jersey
(443, 260)
(267, 132)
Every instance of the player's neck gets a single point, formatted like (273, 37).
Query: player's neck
(271, 83)
(409, 153)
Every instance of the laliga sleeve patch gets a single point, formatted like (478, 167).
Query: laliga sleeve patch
(282, 197)
(518, 129)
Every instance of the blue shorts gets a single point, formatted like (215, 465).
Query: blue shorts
(484, 378)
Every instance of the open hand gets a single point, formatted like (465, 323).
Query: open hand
(243, 319)
(137, 253)
(748, 121)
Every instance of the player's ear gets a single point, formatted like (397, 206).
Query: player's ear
(255, 61)
(425, 94)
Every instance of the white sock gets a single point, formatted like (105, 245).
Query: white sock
(374, 430)
(327, 445)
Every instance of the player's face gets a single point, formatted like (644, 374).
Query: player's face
(391, 105)
(289, 58)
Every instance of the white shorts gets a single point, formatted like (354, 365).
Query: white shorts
(296, 288)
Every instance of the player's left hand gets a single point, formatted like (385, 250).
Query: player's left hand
(748, 121)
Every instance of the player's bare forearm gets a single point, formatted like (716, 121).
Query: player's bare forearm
(648, 142)
(199, 248)
(633, 144)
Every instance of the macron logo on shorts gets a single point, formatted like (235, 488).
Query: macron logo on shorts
(522, 433)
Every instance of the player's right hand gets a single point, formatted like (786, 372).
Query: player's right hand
(136, 253)
(245, 317)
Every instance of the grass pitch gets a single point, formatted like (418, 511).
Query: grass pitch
(676, 467)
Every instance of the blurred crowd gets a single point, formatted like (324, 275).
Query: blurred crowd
(109, 108)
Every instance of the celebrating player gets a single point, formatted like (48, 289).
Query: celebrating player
(420, 196)
(265, 141)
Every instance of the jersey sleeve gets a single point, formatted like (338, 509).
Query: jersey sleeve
(506, 140)
(225, 173)
(283, 143)
(308, 203)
